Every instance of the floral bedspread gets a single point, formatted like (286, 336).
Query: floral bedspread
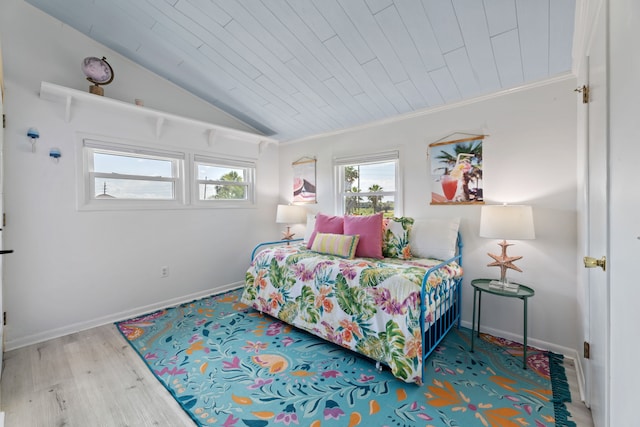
(367, 305)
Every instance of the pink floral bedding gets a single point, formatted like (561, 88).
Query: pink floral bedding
(367, 305)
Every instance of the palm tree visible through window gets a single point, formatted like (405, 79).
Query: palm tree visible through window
(369, 186)
(230, 192)
(375, 200)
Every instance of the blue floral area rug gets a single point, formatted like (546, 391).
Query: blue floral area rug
(228, 365)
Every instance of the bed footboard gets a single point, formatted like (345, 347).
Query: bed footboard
(447, 301)
(259, 246)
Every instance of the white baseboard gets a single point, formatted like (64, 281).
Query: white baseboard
(123, 315)
(581, 380)
(542, 345)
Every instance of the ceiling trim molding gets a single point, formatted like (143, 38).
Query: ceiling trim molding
(434, 110)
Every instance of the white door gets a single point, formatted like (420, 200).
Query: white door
(597, 232)
(1, 208)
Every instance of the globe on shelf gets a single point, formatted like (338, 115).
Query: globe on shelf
(99, 72)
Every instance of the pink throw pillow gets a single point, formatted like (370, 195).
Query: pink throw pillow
(369, 228)
(326, 224)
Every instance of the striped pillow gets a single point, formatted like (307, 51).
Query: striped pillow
(341, 245)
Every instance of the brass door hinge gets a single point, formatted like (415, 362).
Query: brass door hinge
(587, 350)
(584, 90)
(4, 121)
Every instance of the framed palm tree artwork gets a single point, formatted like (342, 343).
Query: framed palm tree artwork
(304, 180)
(456, 171)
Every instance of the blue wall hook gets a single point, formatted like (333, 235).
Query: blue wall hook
(33, 135)
(55, 154)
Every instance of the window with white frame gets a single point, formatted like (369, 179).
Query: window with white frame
(369, 184)
(127, 173)
(223, 180)
(116, 175)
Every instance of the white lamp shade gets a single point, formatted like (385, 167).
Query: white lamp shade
(290, 214)
(507, 222)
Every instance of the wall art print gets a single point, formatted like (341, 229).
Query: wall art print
(304, 180)
(456, 171)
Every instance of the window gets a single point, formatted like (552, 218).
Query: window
(223, 180)
(369, 184)
(115, 176)
(115, 172)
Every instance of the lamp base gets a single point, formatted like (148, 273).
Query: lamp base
(288, 235)
(504, 261)
(504, 286)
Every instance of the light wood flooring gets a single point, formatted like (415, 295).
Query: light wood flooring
(94, 378)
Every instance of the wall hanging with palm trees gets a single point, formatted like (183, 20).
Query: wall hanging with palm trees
(456, 170)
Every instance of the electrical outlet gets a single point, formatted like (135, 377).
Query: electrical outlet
(164, 271)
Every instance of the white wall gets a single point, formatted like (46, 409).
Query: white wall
(71, 269)
(529, 158)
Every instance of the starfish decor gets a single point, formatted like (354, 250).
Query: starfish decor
(287, 235)
(504, 261)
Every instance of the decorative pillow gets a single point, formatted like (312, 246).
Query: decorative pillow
(369, 228)
(395, 240)
(434, 238)
(311, 225)
(326, 224)
(335, 244)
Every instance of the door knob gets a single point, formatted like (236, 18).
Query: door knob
(590, 262)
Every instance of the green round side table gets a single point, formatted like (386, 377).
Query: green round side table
(484, 285)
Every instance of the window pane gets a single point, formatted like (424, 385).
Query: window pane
(132, 165)
(369, 188)
(222, 192)
(220, 173)
(369, 205)
(371, 177)
(108, 188)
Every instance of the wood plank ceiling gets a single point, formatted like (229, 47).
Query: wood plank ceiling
(295, 68)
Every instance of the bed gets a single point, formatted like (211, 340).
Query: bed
(393, 309)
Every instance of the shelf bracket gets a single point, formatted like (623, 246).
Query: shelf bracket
(262, 145)
(211, 139)
(159, 124)
(67, 108)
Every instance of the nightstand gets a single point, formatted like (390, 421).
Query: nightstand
(483, 285)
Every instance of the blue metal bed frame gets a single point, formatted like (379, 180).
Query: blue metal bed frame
(448, 302)
(448, 307)
(277, 242)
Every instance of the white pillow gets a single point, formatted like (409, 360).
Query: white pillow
(311, 225)
(434, 238)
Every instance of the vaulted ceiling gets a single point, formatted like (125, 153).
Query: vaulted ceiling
(295, 68)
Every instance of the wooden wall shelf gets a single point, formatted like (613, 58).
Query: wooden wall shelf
(69, 97)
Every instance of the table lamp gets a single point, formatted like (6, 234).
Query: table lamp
(290, 214)
(506, 222)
